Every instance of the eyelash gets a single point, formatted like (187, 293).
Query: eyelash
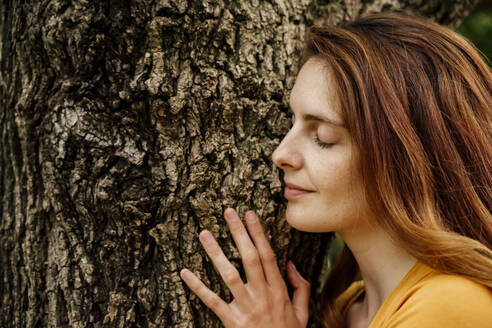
(316, 139)
(322, 144)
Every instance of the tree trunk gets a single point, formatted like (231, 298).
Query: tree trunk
(129, 126)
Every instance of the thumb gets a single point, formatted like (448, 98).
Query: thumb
(300, 299)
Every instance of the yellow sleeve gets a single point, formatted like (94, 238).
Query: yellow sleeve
(447, 301)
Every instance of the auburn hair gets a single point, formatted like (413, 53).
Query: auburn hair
(416, 97)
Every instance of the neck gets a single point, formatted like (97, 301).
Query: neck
(382, 263)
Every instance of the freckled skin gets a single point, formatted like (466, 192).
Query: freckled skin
(338, 201)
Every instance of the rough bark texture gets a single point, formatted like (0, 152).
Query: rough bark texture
(129, 126)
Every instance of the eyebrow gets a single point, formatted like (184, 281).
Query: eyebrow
(311, 117)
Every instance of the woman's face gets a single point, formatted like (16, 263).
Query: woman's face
(318, 155)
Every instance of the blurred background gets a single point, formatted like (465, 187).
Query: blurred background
(478, 28)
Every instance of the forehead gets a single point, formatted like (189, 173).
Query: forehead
(314, 90)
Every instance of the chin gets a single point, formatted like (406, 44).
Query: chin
(305, 221)
(302, 224)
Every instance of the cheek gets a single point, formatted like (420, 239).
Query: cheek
(335, 177)
(342, 190)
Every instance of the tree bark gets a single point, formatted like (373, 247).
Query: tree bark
(129, 126)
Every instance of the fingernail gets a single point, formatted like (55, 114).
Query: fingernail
(293, 267)
(205, 236)
(230, 214)
(185, 274)
(250, 217)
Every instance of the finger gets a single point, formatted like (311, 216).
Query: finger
(209, 298)
(249, 254)
(267, 257)
(300, 299)
(227, 271)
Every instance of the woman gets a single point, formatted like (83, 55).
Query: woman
(390, 147)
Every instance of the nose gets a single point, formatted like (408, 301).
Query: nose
(287, 155)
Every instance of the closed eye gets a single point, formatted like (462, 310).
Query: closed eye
(321, 143)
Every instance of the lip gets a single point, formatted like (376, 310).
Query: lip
(293, 191)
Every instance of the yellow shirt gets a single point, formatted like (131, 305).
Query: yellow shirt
(426, 298)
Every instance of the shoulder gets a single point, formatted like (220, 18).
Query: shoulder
(452, 289)
(444, 300)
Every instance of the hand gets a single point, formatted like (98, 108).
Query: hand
(263, 301)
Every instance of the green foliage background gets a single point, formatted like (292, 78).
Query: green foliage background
(477, 27)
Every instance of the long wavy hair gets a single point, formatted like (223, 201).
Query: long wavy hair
(416, 97)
